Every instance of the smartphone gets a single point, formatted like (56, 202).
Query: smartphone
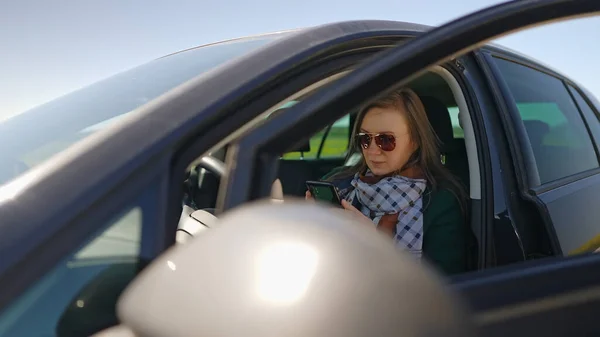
(325, 192)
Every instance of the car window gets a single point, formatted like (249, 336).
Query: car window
(590, 115)
(456, 128)
(331, 142)
(559, 138)
(79, 295)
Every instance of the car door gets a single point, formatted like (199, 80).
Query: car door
(493, 294)
(120, 191)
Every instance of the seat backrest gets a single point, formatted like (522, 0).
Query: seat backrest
(455, 153)
(440, 121)
(453, 149)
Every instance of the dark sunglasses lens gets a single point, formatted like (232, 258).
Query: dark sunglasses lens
(364, 141)
(386, 142)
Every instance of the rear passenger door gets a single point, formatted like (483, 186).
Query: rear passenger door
(557, 131)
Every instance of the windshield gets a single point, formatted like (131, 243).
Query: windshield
(30, 138)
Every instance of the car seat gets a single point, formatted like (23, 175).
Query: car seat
(452, 149)
(456, 160)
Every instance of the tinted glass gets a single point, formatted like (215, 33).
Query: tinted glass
(33, 136)
(559, 138)
(78, 297)
(590, 115)
(457, 130)
(334, 142)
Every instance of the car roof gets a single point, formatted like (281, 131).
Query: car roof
(238, 39)
(420, 28)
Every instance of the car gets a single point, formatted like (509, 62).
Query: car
(98, 183)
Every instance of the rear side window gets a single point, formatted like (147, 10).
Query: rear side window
(457, 130)
(588, 113)
(558, 135)
(331, 142)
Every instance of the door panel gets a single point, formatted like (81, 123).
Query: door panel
(574, 211)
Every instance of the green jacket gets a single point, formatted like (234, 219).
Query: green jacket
(446, 235)
(445, 232)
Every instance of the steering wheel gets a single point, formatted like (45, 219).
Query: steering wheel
(195, 219)
(192, 182)
(213, 164)
(192, 220)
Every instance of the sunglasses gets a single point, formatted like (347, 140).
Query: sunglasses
(384, 141)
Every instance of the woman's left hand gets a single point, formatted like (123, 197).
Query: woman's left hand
(355, 212)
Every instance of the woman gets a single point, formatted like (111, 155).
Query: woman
(401, 185)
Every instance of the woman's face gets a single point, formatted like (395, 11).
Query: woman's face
(387, 121)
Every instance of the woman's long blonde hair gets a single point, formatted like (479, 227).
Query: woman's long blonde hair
(426, 158)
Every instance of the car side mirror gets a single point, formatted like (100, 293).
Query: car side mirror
(295, 266)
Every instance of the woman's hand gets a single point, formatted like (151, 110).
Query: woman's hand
(308, 196)
(363, 218)
(356, 213)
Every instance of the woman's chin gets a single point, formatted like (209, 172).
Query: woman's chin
(379, 171)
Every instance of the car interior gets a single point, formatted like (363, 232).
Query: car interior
(330, 148)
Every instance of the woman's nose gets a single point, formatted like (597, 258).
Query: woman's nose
(373, 148)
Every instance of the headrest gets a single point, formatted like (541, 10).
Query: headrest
(302, 147)
(440, 121)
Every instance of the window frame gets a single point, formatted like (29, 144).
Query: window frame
(517, 135)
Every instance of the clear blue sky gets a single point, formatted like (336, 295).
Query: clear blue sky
(50, 48)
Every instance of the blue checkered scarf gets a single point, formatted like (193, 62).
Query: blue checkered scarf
(394, 195)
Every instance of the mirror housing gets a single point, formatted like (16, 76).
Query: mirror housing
(299, 267)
